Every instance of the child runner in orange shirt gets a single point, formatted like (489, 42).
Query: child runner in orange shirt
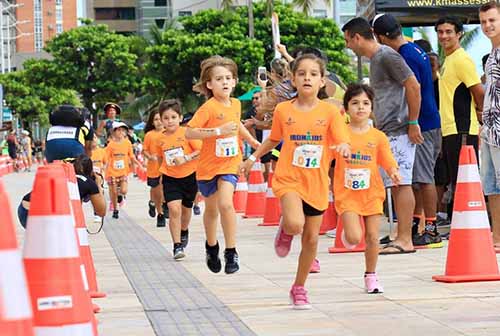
(98, 160)
(179, 158)
(307, 126)
(153, 131)
(358, 186)
(217, 123)
(119, 156)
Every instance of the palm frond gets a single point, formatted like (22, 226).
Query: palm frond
(226, 4)
(469, 37)
(307, 5)
(141, 106)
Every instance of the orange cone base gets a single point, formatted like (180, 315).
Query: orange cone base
(466, 278)
(97, 295)
(345, 250)
(96, 308)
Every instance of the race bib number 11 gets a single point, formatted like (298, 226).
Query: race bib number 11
(226, 147)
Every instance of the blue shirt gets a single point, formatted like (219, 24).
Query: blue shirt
(419, 63)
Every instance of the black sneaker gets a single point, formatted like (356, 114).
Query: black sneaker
(213, 260)
(429, 240)
(196, 210)
(165, 210)
(120, 198)
(231, 258)
(385, 240)
(184, 238)
(115, 214)
(160, 220)
(179, 253)
(152, 209)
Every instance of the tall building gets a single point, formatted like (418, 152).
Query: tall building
(8, 25)
(119, 15)
(153, 12)
(43, 20)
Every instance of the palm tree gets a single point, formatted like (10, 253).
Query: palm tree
(307, 5)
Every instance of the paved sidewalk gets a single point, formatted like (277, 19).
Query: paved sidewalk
(258, 295)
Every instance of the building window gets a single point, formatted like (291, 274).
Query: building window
(160, 23)
(59, 2)
(160, 3)
(320, 13)
(126, 13)
(38, 20)
(185, 13)
(59, 28)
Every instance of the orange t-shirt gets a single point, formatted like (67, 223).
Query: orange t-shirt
(305, 156)
(219, 154)
(153, 167)
(118, 157)
(363, 195)
(98, 159)
(168, 146)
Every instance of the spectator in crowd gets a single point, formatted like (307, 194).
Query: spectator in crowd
(112, 111)
(26, 149)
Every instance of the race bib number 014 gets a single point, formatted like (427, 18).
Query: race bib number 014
(171, 154)
(357, 179)
(226, 147)
(308, 156)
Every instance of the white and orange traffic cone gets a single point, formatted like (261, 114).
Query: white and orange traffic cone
(256, 200)
(60, 304)
(15, 305)
(240, 195)
(329, 217)
(338, 245)
(471, 256)
(272, 211)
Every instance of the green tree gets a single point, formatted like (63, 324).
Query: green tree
(34, 101)
(100, 65)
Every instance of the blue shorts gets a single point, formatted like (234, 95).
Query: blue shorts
(209, 187)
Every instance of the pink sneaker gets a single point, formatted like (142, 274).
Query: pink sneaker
(345, 242)
(298, 298)
(315, 266)
(372, 285)
(282, 243)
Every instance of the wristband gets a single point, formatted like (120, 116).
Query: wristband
(413, 122)
(252, 158)
(217, 131)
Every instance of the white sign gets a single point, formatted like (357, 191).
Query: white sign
(275, 25)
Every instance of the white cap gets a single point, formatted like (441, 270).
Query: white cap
(25, 132)
(117, 124)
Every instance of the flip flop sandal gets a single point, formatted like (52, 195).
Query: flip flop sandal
(399, 249)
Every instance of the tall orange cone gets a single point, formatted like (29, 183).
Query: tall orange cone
(471, 256)
(82, 234)
(272, 211)
(256, 200)
(240, 195)
(329, 217)
(60, 304)
(15, 306)
(339, 247)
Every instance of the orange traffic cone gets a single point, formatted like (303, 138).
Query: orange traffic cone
(256, 200)
(15, 306)
(58, 298)
(82, 234)
(329, 217)
(339, 247)
(471, 256)
(240, 195)
(272, 211)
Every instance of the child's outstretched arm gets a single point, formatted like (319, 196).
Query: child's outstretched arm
(264, 148)
(245, 135)
(203, 133)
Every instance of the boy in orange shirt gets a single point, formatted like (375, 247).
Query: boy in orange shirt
(119, 157)
(307, 126)
(179, 159)
(217, 123)
(153, 131)
(358, 186)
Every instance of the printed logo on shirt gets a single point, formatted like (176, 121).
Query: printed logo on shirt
(308, 138)
(118, 155)
(371, 145)
(359, 158)
(321, 122)
(290, 121)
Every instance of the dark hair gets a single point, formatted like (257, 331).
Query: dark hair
(424, 44)
(453, 20)
(360, 26)
(484, 60)
(150, 123)
(83, 165)
(489, 5)
(356, 89)
(168, 104)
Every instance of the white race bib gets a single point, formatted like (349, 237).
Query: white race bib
(96, 169)
(226, 147)
(171, 154)
(357, 179)
(308, 156)
(119, 164)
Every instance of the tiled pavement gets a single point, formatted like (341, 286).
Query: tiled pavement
(258, 295)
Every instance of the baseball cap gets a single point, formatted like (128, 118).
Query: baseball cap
(116, 106)
(117, 124)
(385, 24)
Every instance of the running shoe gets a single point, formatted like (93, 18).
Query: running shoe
(152, 209)
(298, 298)
(115, 214)
(160, 221)
(372, 285)
(315, 268)
(232, 261)
(282, 242)
(179, 253)
(212, 258)
(428, 240)
(197, 210)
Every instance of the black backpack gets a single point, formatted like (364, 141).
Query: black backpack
(66, 115)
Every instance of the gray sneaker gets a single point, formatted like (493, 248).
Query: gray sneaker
(179, 253)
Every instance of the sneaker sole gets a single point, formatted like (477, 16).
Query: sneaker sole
(429, 246)
(375, 291)
(300, 307)
(179, 256)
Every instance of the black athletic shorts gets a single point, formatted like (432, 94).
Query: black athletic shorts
(153, 181)
(310, 211)
(184, 189)
(266, 158)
